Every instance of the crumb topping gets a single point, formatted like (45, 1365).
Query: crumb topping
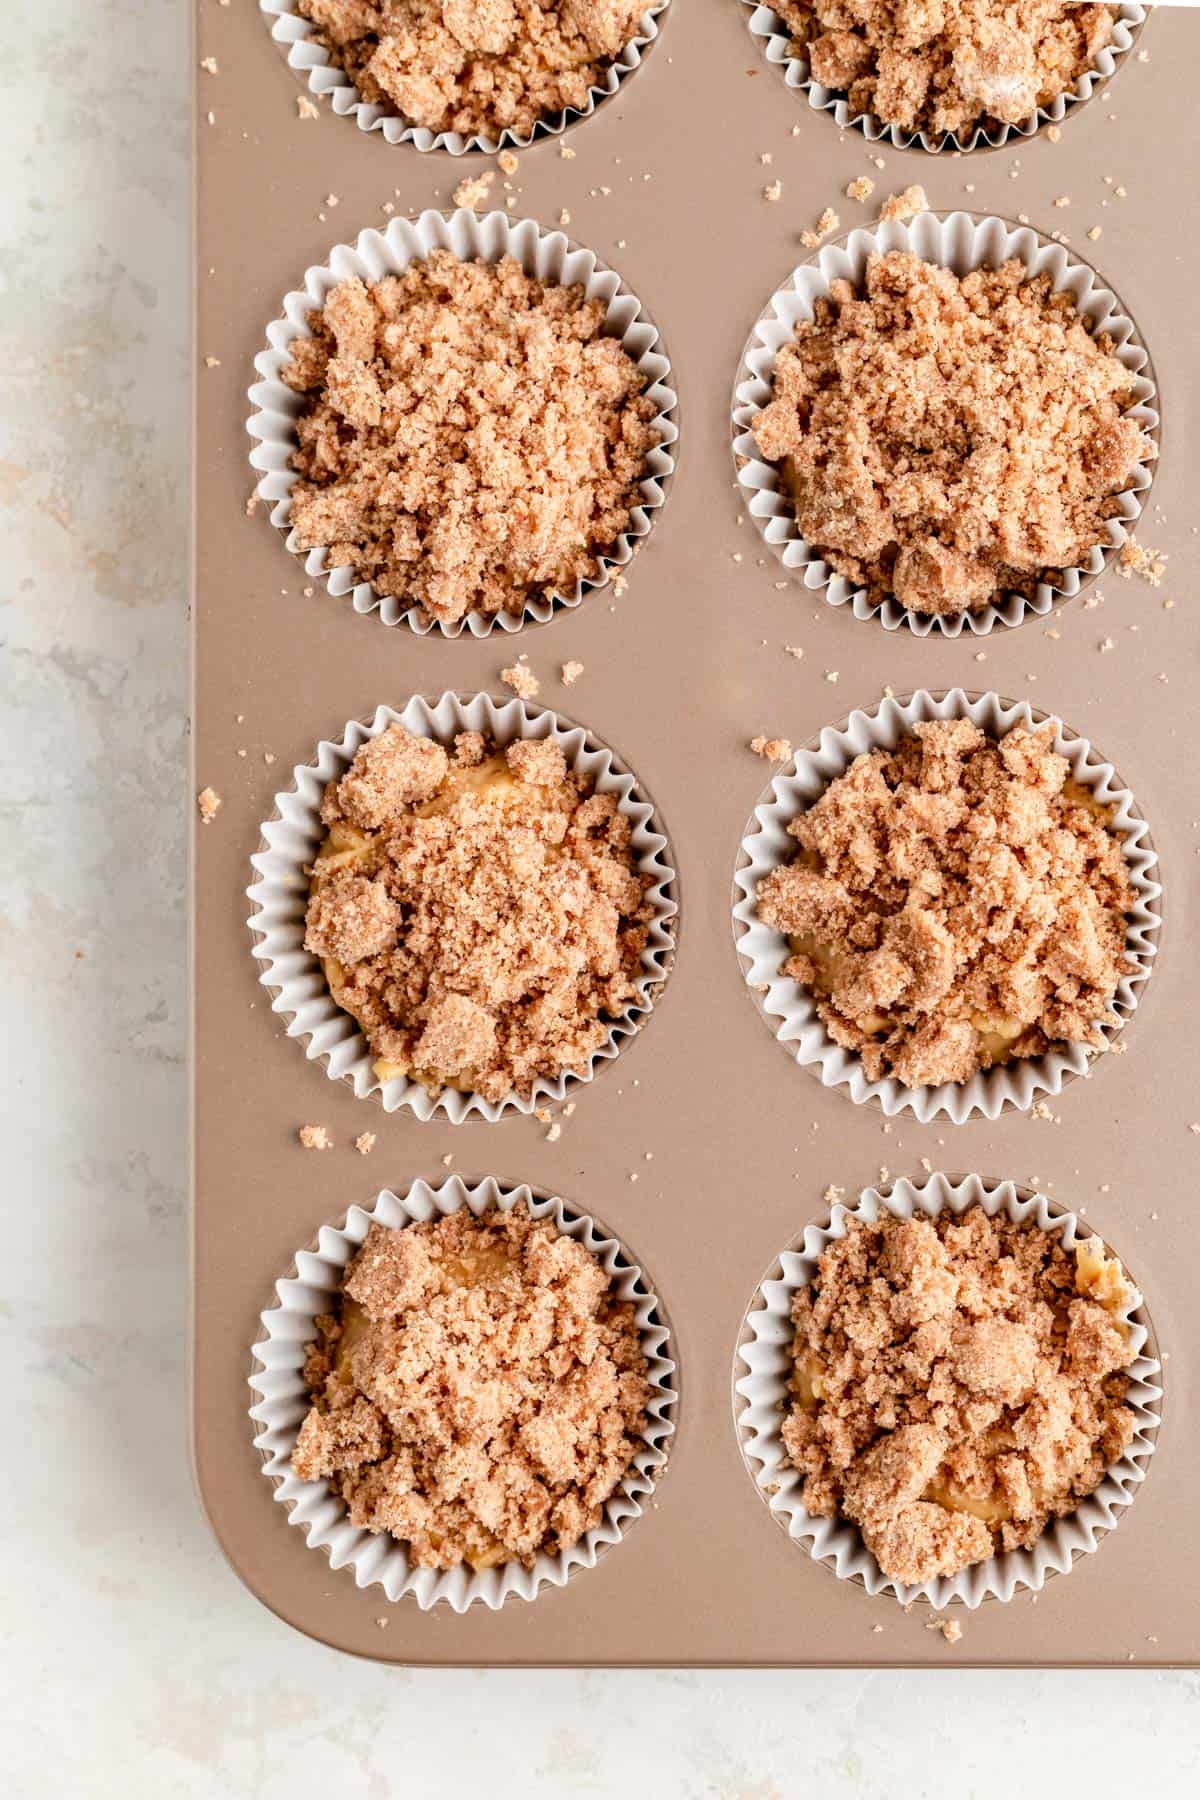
(208, 804)
(944, 66)
(947, 440)
(955, 903)
(480, 916)
(480, 1393)
(470, 438)
(315, 1137)
(956, 1386)
(474, 66)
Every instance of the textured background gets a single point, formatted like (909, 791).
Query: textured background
(136, 1664)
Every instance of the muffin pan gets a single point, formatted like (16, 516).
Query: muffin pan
(704, 1150)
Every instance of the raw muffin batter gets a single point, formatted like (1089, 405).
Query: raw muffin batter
(958, 1384)
(946, 65)
(479, 915)
(470, 438)
(956, 902)
(474, 66)
(479, 1394)
(949, 440)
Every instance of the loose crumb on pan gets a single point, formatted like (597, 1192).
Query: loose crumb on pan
(315, 1137)
(521, 679)
(469, 438)
(861, 188)
(958, 1383)
(1135, 559)
(474, 66)
(772, 749)
(947, 440)
(905, 205)
(945, 66)
(480, 1393)
(472, 190)
(365, 1143)
(950, 1629)
(208, 804)
(955, 903)
(571, 671)
(478, 914)
(827, 223)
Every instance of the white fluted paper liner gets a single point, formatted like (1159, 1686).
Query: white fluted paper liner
(761, 1394)
(775, 41)
(279, 897)
(789, 1009)
(281, 1401)
(961, 242)
(290, 28)
(546, 255)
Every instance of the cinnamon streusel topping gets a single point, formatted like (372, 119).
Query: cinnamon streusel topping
(958, 1382)
(479, 1394)
(470, 438)
(943, 66)
(955, 902)
(478, 914)
(474, 66)
(950, 439)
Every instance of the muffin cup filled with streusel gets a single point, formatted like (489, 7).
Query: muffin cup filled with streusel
(464, 422)
(947, 424)
(465, 75)
(946, 75)
(547, 1425)
(947, 1391)
(947, 906)
(464, 908)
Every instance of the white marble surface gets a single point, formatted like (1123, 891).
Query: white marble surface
(135, 1664)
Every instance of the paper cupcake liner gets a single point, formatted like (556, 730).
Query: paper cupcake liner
(761, 1393)
(961, 242)
(291, 29)
(279, 896)
(281, 1401)
(546, 255)
(775, 40)
(788, 1008)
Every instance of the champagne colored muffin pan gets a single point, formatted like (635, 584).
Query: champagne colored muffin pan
(704, 1150)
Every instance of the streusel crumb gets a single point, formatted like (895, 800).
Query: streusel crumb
(521, 679)
(772, 749)
(470, 438)
(957, 1384)
(208, 804)
(480, 916)
(315, 1137)
(943, 66)
(481, 1392)
(474, 66)
(948, 440)
(955, 903)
